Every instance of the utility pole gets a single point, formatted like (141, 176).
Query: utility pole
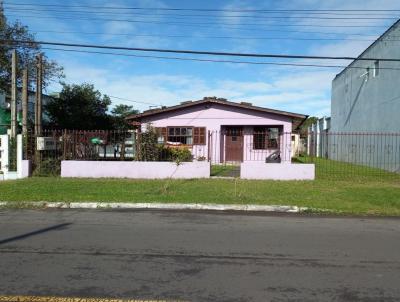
(2, 17)
(14, 94)
(25, 102)
(38, 103)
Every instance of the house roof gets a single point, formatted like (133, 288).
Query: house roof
(298, 118)
(394, 25)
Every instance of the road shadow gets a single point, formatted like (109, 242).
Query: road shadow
(34, 233)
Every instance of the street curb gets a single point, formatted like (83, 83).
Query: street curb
(155, 206)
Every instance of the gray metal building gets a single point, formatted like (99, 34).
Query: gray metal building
(366, 106)
(368, 98)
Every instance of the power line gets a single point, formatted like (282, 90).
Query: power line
(213, 60)
(314, 32)
(209, 37)
(198, 52)
(199, 24)
(132, 101)
(308, 17)
(273, 31)
(284, 14)
(200, 9)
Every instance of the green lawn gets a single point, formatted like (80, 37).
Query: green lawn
(339, 188)
(335, 170)
(356, 197)
(225, 170)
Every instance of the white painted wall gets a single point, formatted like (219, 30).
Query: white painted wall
(23, 166)
(283, 171)
(135, 169)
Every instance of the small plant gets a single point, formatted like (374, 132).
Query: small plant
(12, 153)
(201, 158)
(148, 147)
(48, 167)
(177, 155)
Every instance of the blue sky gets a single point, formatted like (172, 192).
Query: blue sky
(167, 82)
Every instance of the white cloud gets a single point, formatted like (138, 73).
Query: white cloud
(294, 92)
(303, 90)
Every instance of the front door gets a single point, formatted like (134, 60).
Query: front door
(234, 144)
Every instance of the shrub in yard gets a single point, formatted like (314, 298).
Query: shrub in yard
(175, 154)
(182, 155)
(12, 153)
(149, 149)
(48, 167)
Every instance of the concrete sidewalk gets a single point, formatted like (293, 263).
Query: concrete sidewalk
(157, 206)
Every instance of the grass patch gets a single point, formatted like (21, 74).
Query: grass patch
(355, 197)
(225, 170)
(340, 188)
(326, 169)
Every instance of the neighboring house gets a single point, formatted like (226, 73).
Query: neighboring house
(5, 108)
(222, 131)
(298, 145)
(318, 142)
(366, 99)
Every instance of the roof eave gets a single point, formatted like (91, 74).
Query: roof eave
(254, 108)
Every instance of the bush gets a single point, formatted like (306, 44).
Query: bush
(48, 167)
(148, 145)
(175, 154)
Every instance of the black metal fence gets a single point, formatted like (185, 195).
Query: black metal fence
(354, 154)
(336, 155)
(51, 147)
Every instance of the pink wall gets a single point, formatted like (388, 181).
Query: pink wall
(213, 116)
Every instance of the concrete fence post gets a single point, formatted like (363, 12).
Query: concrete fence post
(23, 166)
(309, 133)
(19, 151)
(4, 158)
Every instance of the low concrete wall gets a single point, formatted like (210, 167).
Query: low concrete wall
(283, 171)
(134, 169)
(24, 168)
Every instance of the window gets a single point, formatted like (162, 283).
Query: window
(376, 69)
(266, 138)
(162, 135)
(183, 135)
(199, 137)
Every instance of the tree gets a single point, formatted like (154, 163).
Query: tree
(119, 114)
(79, 107)
(26, 55)
(308, 122)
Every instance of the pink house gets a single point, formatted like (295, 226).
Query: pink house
(220, 131)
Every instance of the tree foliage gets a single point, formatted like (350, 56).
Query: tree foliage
(308, 122)
(79, 107)
(26, 55)
(119, 114)
(148, 145)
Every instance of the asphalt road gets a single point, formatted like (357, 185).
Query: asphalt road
(197, 256)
